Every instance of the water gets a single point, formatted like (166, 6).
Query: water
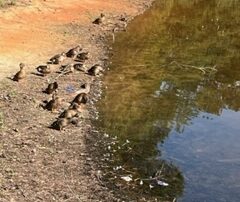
(208, 154)
(173, 92)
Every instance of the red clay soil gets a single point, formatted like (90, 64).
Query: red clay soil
(31, 32)
(38, 163)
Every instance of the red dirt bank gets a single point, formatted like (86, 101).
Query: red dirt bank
(31, 32)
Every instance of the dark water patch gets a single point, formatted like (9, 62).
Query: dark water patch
(173, 94)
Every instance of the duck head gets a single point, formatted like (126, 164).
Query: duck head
(22, 65)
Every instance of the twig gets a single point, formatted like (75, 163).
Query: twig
(158, 174)
(202, 68)
(135, 65)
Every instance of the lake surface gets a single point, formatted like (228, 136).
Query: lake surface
(173, 95)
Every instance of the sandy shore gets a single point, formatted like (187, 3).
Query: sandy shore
(39, 163)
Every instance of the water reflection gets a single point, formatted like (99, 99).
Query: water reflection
(208, 154)
(177, 62)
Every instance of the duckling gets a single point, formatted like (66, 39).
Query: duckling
(66, 69)
(60, 123)
(80, 98)
(59, 58)
(54, 104)
(80, 67)
(52, 87)
(81, 57)
(99, 20)
(76, 121)
(123, 19)
(20, 74)
(69, 113)
(74, 51)
(44, 69)
(85, 88)
(95, 70)
(76, 107)
(84, 85)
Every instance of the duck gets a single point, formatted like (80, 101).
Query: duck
(81, 98)
(59, 58)
(81, 57)
(95, 70)
(74, 51)
(54, 104)
(21, 74)
(99, 20)
(52, 87)
(44, 69)
(60, 123)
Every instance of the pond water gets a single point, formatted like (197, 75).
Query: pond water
(172, 94)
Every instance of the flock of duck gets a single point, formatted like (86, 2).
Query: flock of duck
(79, 57)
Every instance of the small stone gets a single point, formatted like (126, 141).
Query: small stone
(106, 135)
(127, 178)
(15, 130)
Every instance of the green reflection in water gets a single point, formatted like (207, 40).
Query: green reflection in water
(162, 76)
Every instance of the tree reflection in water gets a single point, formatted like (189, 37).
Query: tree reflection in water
(155, 84)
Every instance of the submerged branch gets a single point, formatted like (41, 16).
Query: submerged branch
(203, 69)
(200, 68)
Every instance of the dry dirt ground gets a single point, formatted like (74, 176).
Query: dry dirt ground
(34, 30)
(38, 163)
